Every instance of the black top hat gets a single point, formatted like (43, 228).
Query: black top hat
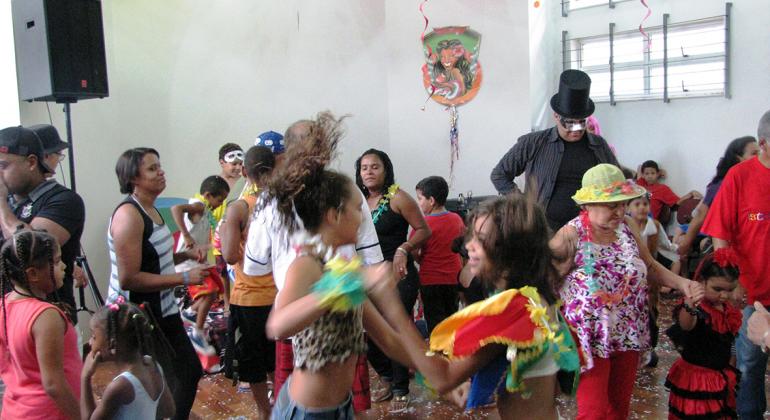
(573, 100)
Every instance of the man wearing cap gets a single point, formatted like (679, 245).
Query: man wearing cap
(53, 146)
(556, 159)
(32, 201)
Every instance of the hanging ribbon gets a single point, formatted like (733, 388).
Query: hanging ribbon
(454, 140)
(422, 39)
(646, 16)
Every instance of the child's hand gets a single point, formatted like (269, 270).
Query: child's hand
(89, 367)
(188, 240)
(198, 274)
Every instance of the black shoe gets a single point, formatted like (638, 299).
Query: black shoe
(653, 360)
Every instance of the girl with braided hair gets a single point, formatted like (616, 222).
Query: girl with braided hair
(39, 359)
(127, 335)
(323, 301)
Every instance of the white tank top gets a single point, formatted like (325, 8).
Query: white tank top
(142, 407)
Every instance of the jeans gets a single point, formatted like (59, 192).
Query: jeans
(752, 363)
(285, 408)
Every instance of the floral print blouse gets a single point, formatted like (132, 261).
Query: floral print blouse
(607, 305)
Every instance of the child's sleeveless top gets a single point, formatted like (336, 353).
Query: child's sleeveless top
(24, 396)
(143, 406)
(332, 338)
(608, 307)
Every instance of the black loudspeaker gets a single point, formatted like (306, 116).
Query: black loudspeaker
(59, 50)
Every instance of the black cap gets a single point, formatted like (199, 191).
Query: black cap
(573, 100)
(49, 137)
(23, 142)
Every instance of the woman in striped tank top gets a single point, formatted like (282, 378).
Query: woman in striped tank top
(142, 261)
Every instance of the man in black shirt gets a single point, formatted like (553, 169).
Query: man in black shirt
(33, 202)
(556, 159)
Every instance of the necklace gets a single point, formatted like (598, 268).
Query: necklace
(382, 205)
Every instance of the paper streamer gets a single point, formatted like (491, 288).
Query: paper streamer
(646, 16)
(454, 140)
(422, 38)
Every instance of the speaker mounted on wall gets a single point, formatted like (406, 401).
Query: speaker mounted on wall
(59, 50)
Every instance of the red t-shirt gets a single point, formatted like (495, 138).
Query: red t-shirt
(740, 214)
(439, 264)
(660, 194)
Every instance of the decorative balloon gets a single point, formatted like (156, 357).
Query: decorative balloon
(452, 73)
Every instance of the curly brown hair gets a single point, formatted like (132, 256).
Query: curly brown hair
(303, 182)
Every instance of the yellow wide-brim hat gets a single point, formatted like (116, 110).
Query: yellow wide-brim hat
(605, 183)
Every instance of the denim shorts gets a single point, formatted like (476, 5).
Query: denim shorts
(285, 408)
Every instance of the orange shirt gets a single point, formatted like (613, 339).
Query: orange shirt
(251, 290)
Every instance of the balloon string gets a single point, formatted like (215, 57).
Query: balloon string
(645, 34)
(454, 140)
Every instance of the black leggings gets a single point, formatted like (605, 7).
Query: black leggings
(183, 370)
(390, 369)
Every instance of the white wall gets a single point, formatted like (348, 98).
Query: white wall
(686, 136)
(9, 100)
(188, 75)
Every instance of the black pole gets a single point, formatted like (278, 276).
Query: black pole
(70, 146)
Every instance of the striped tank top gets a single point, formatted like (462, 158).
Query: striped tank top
(157, 258)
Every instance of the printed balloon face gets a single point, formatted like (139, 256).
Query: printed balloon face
(452, 72)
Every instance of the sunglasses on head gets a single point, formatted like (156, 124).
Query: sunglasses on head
(572, 124)
(231, 157)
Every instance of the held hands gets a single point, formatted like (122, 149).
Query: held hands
(759, 326)
(693, 291)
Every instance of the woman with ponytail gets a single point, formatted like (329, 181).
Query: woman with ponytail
(322, 304)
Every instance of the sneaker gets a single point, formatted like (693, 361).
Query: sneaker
(188, 317)
(200, 344)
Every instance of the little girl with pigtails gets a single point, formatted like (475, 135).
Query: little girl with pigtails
(126, 334)
(39, 359)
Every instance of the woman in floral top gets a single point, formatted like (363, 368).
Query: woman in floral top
(607, 268)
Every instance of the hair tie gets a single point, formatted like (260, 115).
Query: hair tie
(725, 257)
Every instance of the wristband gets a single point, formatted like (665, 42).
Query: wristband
(186, 278)
(404, 251)
(690, 310)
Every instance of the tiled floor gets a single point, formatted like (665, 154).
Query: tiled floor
(218, 399)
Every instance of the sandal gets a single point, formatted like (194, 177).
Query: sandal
(399, 404)
(384, 393)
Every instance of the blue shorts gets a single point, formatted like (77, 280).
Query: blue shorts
(285, 408)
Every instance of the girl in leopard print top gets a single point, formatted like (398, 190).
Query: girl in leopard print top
(326, 344)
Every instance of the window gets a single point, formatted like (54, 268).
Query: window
(582, 4)
(695, 66)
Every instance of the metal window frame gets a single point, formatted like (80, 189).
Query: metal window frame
(647, 63)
